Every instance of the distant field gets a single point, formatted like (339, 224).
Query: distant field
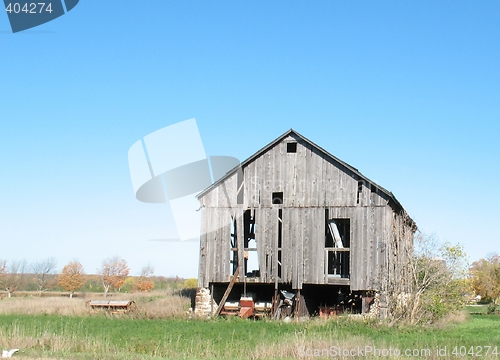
(157, 304)
(105, 337)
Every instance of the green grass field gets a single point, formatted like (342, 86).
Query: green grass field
(160, 328)
(105, 337)
(478, 309)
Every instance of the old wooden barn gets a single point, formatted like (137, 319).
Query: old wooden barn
(293, 217)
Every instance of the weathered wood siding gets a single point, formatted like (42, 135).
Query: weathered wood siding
(311, 183)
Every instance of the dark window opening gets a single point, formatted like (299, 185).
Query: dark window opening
(337, 233)
(373, 193)
(291, 147)
(338, 264)
(277, 198)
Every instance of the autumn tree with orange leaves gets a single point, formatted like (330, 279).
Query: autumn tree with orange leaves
(72, 277)
(144, 284)
(113, 273)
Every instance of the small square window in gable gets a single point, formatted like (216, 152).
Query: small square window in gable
(291, 147)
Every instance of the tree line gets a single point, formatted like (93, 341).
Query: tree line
(441, 280)
(113, 274)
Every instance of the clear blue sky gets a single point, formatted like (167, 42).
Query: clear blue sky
(408, 92)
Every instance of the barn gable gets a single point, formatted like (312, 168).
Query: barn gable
(276, 163)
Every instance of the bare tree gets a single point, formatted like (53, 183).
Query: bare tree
(3, 267)
(3, 270)
(14, 276)
(113, 273)
(42, 270)
(144, 284)
(147, 270)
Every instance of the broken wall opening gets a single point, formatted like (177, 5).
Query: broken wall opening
(251, 258)
(280, 239)
(330, 298)
(317, 299)
(337, 246)
(259, 292)
(233, 247)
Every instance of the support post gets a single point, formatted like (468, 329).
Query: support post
(228, 291)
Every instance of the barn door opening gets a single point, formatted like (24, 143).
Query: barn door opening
(251, 263)
(337, 242)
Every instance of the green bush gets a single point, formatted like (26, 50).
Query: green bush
(190, 283)
(490, 309)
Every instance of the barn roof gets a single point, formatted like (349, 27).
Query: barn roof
(292, 132)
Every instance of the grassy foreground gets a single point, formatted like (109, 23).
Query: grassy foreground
(104, 337)
(160, 328)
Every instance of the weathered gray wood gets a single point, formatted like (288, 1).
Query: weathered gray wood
(311, 181)
(202, 270)
(262, 221)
